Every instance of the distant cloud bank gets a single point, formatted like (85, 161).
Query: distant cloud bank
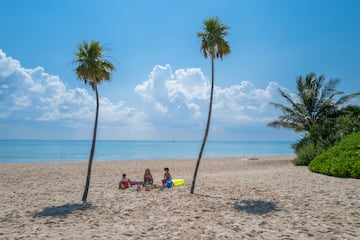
(33, 94)
(185, 92)
(174, 102)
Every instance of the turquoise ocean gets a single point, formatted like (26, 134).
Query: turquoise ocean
(26, 151)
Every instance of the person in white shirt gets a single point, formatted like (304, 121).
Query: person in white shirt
(124, 182)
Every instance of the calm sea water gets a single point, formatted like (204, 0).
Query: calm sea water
(16, 151)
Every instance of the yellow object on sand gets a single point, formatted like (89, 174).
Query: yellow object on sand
(178, 181)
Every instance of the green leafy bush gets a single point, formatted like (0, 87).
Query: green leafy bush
(307, 152)
(308, 148)
(341, 160)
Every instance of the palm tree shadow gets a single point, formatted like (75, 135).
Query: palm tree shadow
(256, 207)
(63, 211)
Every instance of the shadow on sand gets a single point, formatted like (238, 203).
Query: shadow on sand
(217, 197)
(256, 207)
(62, 211)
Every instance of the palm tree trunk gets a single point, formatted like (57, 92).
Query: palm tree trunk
(207, 128)
(91, 157)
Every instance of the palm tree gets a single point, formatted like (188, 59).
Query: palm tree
(92, 68)
(214, 45)
(314, 103)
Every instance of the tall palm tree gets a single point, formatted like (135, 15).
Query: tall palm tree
(214, 45)
(314, 103)
(92, 68)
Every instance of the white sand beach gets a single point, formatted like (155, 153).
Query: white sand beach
(235, 198)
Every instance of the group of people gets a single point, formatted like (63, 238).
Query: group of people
(148, 182)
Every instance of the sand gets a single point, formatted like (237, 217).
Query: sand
(235, 198)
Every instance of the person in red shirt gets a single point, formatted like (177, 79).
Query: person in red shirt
(124, 182)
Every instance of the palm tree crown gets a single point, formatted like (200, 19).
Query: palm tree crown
(91, 66)
(212, 38)
(314, 103)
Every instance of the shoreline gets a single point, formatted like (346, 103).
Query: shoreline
(235, 198)
(248, 157)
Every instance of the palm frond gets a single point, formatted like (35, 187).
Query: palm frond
(212, 38)
(92, 68)
(315, 103)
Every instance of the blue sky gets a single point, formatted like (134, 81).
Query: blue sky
(161, 84)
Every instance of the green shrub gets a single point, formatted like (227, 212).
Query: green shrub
(341, 160)
(307, 152)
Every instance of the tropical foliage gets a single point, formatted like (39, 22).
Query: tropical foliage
(319, 112)
(341, 160)
(92, 68)
(213, 44)
(314, 103)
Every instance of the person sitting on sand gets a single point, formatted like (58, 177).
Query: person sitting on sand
(148, 179)
(167, 183)
(124, 182)
(167, 175)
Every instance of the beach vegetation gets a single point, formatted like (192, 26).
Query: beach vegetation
(307, 152)
(213, 45)
(92, 68)
(315, 111)
(340, 160)
(319, 139)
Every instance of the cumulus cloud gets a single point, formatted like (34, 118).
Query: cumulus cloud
(245, 102)
(175, 104)
(184, 93)
(175, 95)
(35, 95)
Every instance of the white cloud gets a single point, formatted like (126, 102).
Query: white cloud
(161, 108)
(175, 95)
(175, 104)
(245, 102)
(186, 93)
(180, 100)
(20, 102)
(7, 65)
(36, 95)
